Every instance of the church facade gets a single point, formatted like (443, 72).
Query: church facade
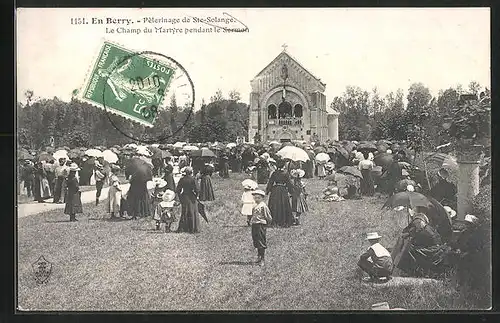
(287, 103)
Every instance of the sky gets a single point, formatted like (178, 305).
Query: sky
(383, 48)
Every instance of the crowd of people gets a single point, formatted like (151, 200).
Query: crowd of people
(156, 189)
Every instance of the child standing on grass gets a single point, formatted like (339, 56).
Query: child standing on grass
(299, 204)
(261, 216)
(247, 199)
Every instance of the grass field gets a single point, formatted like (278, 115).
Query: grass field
(98, 264)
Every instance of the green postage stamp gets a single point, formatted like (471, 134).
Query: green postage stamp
(127, 83)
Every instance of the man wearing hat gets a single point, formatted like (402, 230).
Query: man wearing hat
(444, 191)
(61, 171)
(73, 198)
(377, 260)
(99, 180)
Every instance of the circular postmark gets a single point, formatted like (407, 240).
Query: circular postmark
(142, 87)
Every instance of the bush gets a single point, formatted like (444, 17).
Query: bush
(474, 270)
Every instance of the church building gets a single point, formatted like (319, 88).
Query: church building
(287, 103)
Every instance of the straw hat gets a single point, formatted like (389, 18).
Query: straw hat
(410, 188)
(168, 199)
(404, 172)
(471, 218)
(259, 192)
(97, 164)
(74, 168)
(249, 184)
(265, 155)
(159, 182)
(373, 236)
(452, 213)
(388, 151)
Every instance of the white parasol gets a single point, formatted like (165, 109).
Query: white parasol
(179, 144)
(231, 145)
(293, 153)
(322, 157)
(190, 148)
(60, 154)
(143, 150)
(109, 156)
(155, 145)
(93, 152)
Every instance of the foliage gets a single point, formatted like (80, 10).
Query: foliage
(471, 120)
(77, 123)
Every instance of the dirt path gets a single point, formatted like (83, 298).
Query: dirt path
(35, 208)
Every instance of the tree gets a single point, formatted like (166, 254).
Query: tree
(217, 97)
(234, 95)
(474, 87)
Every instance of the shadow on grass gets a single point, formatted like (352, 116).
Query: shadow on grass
(237, 263)
(234, 226)
(110, 220)
(59, 221)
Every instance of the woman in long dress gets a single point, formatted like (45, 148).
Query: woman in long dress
(206, 188)
(169, 177)
(73, 197)
(138, 200)
(262, 171)
(41, 188)
(188, 195)
(366, 166)
(278, 188)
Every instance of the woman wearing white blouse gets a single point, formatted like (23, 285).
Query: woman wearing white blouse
(366, 166)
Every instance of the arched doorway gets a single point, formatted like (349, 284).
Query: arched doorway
(271, 112)
(298, 111)
(284, 110)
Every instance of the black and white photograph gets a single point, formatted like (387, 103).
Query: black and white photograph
(253, 159)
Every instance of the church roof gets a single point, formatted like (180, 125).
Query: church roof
(284, 53)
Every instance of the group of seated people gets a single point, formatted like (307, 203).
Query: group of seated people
(423, 250)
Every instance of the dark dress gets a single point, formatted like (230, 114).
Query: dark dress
(425, 253)
(224, 167)
(38, 191)
(262, 171)
(278, 187)
(445, 192)
(188, 193)
(299, 203)
(73, 197)
(138, 200)
(206, 188)
(393, 176)
(169, 178)
(367, 184)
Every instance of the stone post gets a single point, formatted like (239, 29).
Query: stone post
(468, 178)
(333, 125)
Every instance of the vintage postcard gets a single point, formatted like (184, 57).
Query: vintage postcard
(249, 159)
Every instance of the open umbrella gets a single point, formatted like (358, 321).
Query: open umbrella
(319, 149)
(351, 170)
(322, 157)
(60, 154)
(110, 156)
(383, 159)
(204, 152)
(231, 145)
(165, 154)
(340, 151)
(367, 147)
(93, 152)
(293, 153)
(143, 150)
(190, 148)
(408, 199)
(155, 145)
(404, 165)
(139, 169)
(157, 153)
